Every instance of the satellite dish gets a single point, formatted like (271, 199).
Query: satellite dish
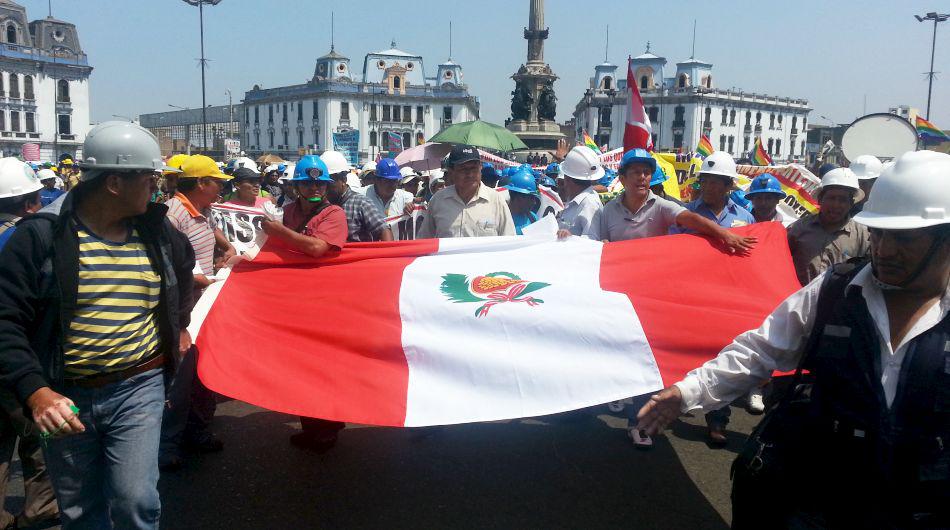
(883, 135)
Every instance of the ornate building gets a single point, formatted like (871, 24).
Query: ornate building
(391, 97)
(44, 85)
(686, 105)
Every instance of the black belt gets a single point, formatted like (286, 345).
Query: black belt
(96, 381)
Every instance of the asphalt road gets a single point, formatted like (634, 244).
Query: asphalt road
(575, 470)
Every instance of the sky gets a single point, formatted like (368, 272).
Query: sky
(836, 54)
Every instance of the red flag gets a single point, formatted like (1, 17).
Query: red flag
(479, 329)
(637, 130)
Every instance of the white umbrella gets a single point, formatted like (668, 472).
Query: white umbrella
(424, 157)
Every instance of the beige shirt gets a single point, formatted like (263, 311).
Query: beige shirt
(815, 250)
(448, 215)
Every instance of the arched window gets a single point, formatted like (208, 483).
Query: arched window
(758, 118)
(707, 81)
(397, 82)
(11, 34)
(732, 117)
(678, 112)
(708, 115)
(62, 91)
(15, 86)
(28, 87)
(608, 83)
(644, 81)
(372, 138)
(748, 117)
(725, 114)
(684, 81)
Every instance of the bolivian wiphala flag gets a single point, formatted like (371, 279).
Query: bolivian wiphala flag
(463, 330)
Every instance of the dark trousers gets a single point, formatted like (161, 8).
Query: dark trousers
(719, 418)
(189, 408)
(40, 503)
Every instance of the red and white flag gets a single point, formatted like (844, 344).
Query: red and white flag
(449, 331)
(637, 130)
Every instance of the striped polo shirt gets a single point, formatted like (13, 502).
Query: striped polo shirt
(114, 326)
(197, 228)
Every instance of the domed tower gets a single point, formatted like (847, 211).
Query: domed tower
(648, 70)
(449, 73)
(332, 67)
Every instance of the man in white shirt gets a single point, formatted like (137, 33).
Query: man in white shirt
(581, 169)
(875, 454)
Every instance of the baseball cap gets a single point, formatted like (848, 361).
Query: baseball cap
(461, 154)
(244, 173)
(197, 166)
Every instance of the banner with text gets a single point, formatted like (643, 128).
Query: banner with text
(348, 143)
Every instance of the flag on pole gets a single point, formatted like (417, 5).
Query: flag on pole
(479, 329)
(395, 142)
(929, 132)
(758, 155)
(705, 147)
(589, 142)
(637, 130)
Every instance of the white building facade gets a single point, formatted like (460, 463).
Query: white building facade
(44, 94)
(687, 105)
(392, 96)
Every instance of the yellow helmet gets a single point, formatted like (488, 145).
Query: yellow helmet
(197, 166)
(175, 161)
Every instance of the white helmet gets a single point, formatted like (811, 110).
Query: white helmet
(246, 162)
(17, 178)
(582, 163)
(407, 174)
(913, 193)
(367, 167)
(288, 172)
(272, 167)
(866, 167)
(336, 162)
(844, 177)
(719, 163)
(45, 174)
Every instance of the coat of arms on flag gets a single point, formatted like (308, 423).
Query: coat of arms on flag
(492, 289)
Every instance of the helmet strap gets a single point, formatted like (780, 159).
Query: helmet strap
(934, 247)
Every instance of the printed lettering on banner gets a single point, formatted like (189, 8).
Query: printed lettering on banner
(404, 226)
(241, 226)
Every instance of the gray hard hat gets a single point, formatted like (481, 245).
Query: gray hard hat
(120, 146)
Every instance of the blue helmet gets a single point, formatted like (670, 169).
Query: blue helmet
(523, 182)
(609, 177)
(311, 167)
(553, 169)
(739, 197)
(489, 174)
(281, 168)
(387, 168)
(548, 182)
(637, 155)
(765, 183)
(659, 177)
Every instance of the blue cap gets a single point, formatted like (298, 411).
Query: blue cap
(659, 177)
(387, 168)
(310, 167)
(523, 181)
(553, 169)
(765, 183)
(637, 155)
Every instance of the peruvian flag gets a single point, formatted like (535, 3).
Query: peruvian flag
(637, 130)
(448, 331)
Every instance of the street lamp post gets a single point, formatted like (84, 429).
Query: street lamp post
(936, 17)
(203, 62)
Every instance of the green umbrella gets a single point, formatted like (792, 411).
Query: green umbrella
(480, 134)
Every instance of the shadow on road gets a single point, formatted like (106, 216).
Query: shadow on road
(561, 471)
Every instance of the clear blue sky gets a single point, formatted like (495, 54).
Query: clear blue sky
(831, 52)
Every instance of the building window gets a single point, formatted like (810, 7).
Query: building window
(771, 146)
(732, 117)
(270, 137)
(299, 110)
(732, 144)
(247, 115)
(407, 114)
(654, 114)
(15, 86)
(387, 113)
(30, 121)
(707, 122)
(397, 113)
(385, 141)
(11, 34)
(286, 140)
(372, 113)
(419, 113)
(65, 125)
(447, 114)
(372, 138)
(794, 122)
(683, 81)
(3, 120)
(803, 148)
(15, 121)
(643, 82)
(722, 142)
(678, 141)
(284, 115)
(725, 114)
(745, 144)
(28, 87)
(62, 91)
(420, 138)
(397, 82)
(778, 147)
(406, 140)
(780, 121)
(257, 115)
(609, 83)
(344, 110)
(257, 138)
(270, 114)
(316, 110)
(748, 117)
(758, 119)
(771, 121)
(805, 124)
(299, 138)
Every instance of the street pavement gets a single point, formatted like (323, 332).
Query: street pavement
(574, 470)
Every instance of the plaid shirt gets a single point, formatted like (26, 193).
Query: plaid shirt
(364, 220)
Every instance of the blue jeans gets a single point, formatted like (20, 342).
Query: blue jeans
(107, 476)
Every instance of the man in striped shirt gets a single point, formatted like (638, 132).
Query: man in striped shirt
(95, 299)
(191, 407)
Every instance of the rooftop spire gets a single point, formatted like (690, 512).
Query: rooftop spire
(393, 43)
(693, 54)
(450, 40)
(332, 44)
(607, 44)
(648, 46)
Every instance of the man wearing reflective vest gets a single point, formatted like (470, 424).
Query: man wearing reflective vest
(877, 343)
